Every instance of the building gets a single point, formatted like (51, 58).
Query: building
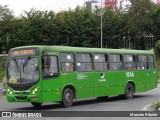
(92, 3)
(122, 5)
(112, 4)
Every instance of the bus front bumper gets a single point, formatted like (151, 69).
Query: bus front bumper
(25, 98)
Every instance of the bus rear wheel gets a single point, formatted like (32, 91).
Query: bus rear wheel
(129, 92)
(36, 104)
(67, 98)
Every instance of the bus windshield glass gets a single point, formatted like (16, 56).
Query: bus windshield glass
(22, 70)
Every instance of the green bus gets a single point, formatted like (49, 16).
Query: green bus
(39, 74)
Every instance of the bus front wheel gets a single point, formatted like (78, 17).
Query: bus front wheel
(67, 98)
(129, 92)
(36, 104)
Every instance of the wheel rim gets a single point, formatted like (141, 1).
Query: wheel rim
(129, 91)
(68, 97)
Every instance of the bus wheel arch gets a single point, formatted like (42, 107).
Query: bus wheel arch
(131, 82)
(68, 94)
(129, 90)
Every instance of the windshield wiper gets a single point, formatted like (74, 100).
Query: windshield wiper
(16, 64)
(26, 62)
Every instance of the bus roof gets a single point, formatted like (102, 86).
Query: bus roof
(86, 49)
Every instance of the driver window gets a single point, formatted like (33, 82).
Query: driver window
(49, 66)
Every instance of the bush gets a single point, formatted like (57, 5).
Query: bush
(2, 68)
(156, 104)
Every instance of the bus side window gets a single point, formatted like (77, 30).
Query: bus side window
(67, 67)
(142, 62)
(67, 62)
(115, 62)
(83, 62)
(151, 62)
(49, 66)
(129, 62)
(100, 62)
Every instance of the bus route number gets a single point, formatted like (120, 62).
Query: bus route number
(129, 74)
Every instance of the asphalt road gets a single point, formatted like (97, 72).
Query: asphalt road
(113, 103)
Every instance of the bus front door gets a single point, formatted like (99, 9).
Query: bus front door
(51, 78)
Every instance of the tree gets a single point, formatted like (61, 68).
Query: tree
(5, 13)
(155, 16)
(6, 16)
(139, 22)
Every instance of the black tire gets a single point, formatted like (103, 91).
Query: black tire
(37, 105)
(104, 98)
(67, 98)
(129, 92)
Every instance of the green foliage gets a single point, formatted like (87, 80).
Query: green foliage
(2, 68)
(139, 21)
(5, 13)
(81, 27)
(156, 104)
(158, 43)
(157, 51)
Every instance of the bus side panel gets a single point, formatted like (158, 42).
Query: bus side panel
(141, 80)
(153, 79)
(51, 90)
(67, 80)
(100, 88)
(115, 82)
(85, 84)
(82, 82)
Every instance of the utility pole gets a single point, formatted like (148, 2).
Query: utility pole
(101, 26)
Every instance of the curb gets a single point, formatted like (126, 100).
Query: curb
(146, 108)
(150, 108)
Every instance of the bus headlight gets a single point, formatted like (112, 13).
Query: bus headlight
(8, 90)
(35, 90)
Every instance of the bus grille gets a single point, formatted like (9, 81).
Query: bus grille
(20, 88)
(21, 97)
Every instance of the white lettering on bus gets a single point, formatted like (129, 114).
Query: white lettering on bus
(129, 74)
(81, 76)
(101, 80)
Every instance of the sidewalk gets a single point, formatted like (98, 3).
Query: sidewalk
(150, 107)
(2, 97)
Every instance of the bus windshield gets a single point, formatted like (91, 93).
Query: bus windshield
(22, 70)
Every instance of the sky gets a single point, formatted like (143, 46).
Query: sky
(56, 5)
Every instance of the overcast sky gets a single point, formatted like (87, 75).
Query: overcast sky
(56, 5)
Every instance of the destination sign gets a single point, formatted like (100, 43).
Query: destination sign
(23, 52)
